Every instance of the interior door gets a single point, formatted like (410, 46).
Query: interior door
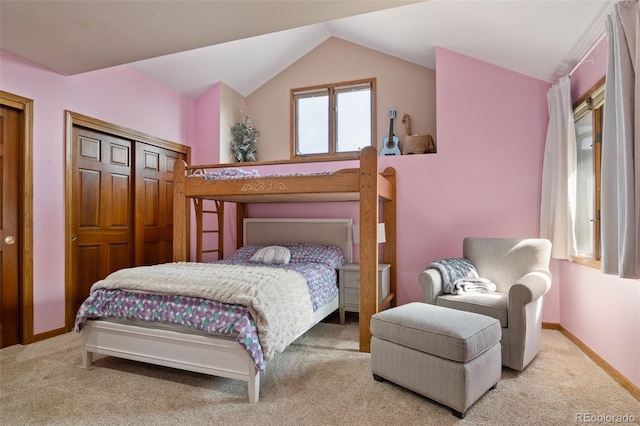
(10, 244)
(102, 208)
(154, 204)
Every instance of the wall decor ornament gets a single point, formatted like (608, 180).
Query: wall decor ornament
(415, 143)
(244, 140)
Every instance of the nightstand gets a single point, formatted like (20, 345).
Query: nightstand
(349, 280)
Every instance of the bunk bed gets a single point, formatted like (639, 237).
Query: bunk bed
(364, 184)
(224, 356)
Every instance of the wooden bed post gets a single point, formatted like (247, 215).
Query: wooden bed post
(241, 214)
(198, 207)
(389, 217)
(368, 243)
(220, 210)
(180, 214)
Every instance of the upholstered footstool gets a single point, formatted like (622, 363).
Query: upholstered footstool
(450, 356)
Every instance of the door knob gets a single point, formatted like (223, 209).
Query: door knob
(74, 237)
(9, 240)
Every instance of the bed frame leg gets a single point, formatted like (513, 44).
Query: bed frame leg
(87, 359)
(254, 386)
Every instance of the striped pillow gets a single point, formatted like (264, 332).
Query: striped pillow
(276, 255)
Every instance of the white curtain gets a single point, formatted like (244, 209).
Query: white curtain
(557, 206)
(620, 203)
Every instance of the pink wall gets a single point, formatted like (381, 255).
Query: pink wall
(208, 127)
(117, 95)
(499, 149)
(603, 311)
(485, 179)
(206, 148)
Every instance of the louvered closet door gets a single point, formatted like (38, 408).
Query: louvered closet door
(154, 204)
(102, 208)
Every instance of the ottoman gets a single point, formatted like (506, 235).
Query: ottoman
(452, 357)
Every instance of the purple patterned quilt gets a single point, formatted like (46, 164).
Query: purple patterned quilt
(316, 264)
(209, 316)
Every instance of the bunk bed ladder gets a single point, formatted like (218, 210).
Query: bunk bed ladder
(216, 209)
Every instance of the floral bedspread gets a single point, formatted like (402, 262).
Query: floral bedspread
(209, 316)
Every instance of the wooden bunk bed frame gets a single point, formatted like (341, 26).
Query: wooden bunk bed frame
(364, 184)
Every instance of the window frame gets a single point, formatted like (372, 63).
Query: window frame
(592, 103)
(331, 88)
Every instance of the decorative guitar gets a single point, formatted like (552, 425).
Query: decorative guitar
(390, 143)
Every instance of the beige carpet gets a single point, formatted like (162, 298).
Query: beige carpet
(321, 379)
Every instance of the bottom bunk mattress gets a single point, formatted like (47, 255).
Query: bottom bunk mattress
(263, 306)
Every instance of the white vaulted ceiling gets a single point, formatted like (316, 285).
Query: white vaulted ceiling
(191, 45)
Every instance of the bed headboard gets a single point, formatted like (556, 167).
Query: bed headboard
(325, 232)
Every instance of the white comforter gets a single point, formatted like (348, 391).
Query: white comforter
(277, 299)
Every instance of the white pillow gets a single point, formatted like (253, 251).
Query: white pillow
(275, 255)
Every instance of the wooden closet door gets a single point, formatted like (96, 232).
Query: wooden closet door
(154, 204)
(102, 208)
(9, 226)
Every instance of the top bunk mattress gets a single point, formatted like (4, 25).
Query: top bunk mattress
(227, 173)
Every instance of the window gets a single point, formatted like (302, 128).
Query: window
(588, 114)
(333, 120)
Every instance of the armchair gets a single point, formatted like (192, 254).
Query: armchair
(520, 270)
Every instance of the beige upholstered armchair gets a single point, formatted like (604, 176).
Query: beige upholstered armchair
(519, 268)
